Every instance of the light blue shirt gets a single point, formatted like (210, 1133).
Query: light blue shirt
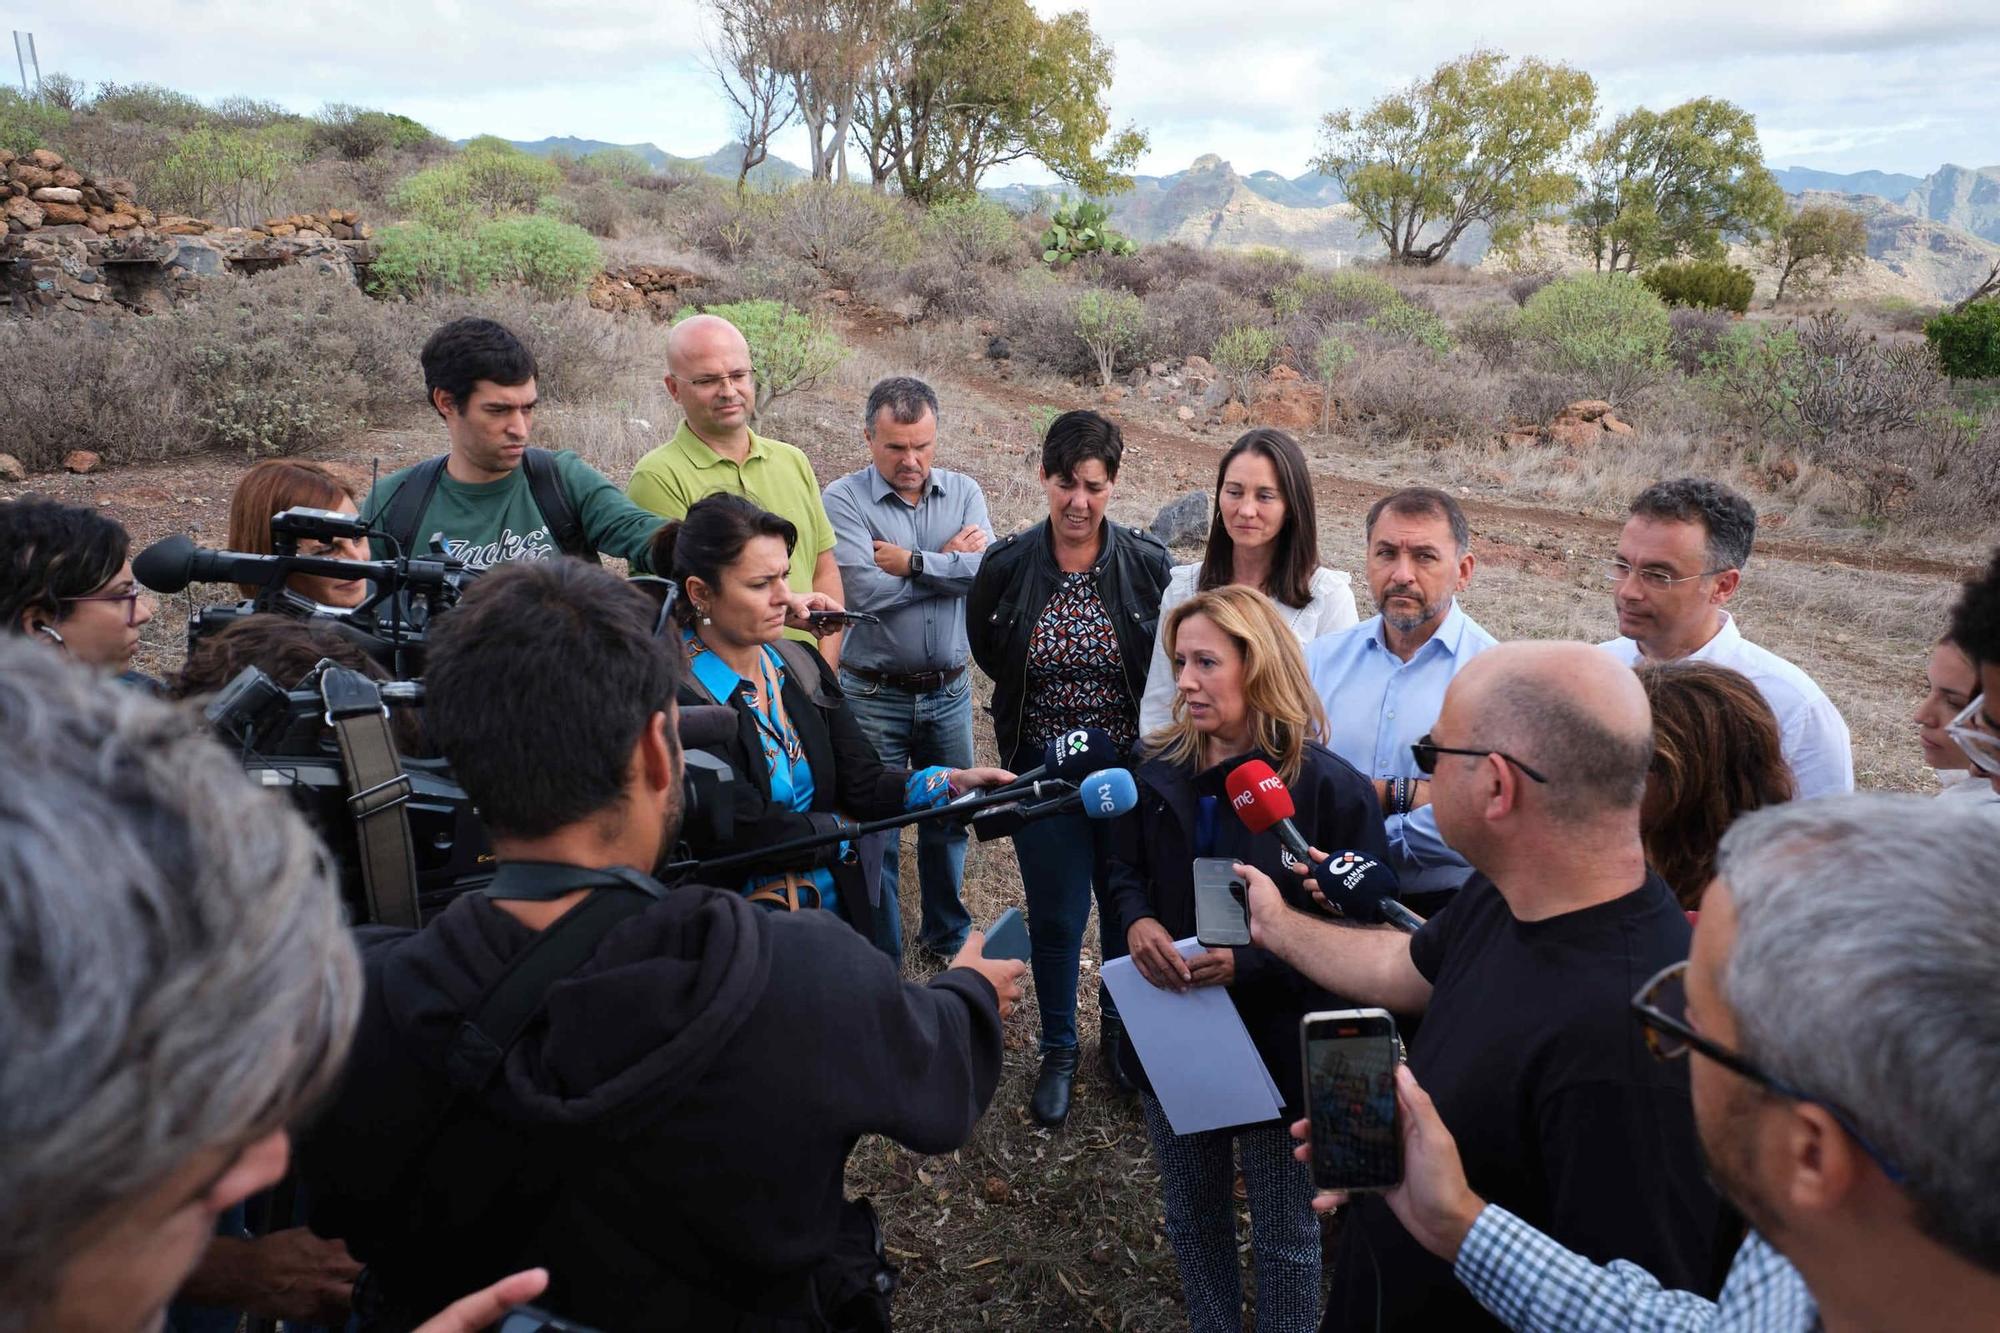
(1378, 705)
(923, 618)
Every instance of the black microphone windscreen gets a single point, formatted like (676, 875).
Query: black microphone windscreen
(1355, 884)
(706, 726)
(167, 565)
(1077, 754)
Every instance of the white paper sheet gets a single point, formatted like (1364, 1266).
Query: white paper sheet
(1198, 1055)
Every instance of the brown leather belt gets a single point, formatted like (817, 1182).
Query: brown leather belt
(917, 682)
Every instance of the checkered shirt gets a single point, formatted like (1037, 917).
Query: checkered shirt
(1533, 1285)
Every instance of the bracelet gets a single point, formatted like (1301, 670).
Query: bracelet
(1403, 795)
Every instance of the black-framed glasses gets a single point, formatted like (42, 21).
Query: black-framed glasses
(1617, 571)
(130, 598)
(1661, 1006)
(1426, 752)
(666, 590)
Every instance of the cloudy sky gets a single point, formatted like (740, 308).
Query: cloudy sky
(1843, 85)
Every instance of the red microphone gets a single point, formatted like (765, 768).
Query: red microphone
(1261, 801)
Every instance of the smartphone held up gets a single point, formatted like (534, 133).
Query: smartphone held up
(1350, 1058)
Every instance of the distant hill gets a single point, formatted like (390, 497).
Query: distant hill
(722, 162)
(1943, 260)
(1959, 197)
(1890, 185)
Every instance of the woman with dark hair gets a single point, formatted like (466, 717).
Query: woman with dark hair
(1243, 694)
(1264, 535)
(66, 579)
(1954, 685)
(803, 759)
(270, 488)
(1716, 755)
(1061, 616)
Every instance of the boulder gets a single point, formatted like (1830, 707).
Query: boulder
(44, 159)
(1215, 395)
(1288, 405)
(11, 469)
(1185, 521)
(1234, 414)
(57, 194)
(23, 210)
(1199, 367)
(1571, 433)
(61, 215)
(1590, 409)
(1615, 426)
(30, 175)
(1184, 412)
(70, 178)
(998, 348)
(1111, 393)
(80, 461)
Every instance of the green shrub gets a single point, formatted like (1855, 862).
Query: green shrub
(1758, 373)
(1707, 284)
(1341, 296)
(1492, 332)
(1968, 343)
(789, 350)
(28, 123)
(501, 178)
(614, 164)
(1607, 332)
(227, 175)
(1242, 354)
(1404, 322)
(1330, 357)
(439, 197)
(1079, 229)
(972, 232)
(847, 232)
(356, 133)
(1187, 318)
(550, 258)
(1108, 322)
(414, 257)
(149, 104)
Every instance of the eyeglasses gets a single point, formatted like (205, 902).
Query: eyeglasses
(1981, 746)
(668, 592)
(1661, 1006)
(1426, 752)
(735, 379)
(130, 598)
(1617, 571)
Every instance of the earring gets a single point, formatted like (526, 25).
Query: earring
(706, 618)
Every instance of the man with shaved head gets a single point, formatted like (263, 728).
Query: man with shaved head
(710, 377)
(1528, 1047)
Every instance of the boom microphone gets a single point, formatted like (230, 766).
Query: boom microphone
(1360, 888)
(1105, 794)
(171, 563)
(1262, 801)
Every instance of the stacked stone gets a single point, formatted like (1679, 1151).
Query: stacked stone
(39, 190)
(653, 288)
(335, 224)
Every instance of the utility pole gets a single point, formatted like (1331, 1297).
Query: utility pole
(24, 56)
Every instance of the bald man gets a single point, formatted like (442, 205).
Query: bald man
(1528, 1046)
(709, 376)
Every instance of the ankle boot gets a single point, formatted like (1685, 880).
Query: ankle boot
(1110, 1049)
(1050, 1104)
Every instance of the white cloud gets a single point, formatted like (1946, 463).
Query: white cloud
(1838, 84)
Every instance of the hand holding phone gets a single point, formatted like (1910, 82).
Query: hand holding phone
(841, 619)
(1008, 936)
(1220, 918)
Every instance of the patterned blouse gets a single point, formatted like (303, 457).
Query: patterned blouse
(1076, 677)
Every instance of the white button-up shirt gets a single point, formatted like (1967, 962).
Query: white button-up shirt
(1378, 705)
(1810, 728)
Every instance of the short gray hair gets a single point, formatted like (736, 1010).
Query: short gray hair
(1865, 972)
(175, 973)
(1590, 767)
(906, 397)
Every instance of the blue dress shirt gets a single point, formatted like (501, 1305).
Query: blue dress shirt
(1378, 705)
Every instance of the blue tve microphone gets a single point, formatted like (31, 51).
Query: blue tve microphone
(1105, 794)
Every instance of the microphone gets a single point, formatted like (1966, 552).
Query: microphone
(1071, 757)
(1105, 794)
(1261, 800)
(1360, 888)
(171, 563)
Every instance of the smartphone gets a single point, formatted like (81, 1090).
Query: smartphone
(838, 618)
(1221, 921)
(1350, 1058)
(1008, 937)
(527, 1319)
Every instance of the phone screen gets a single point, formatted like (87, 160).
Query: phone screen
(1350, 1061)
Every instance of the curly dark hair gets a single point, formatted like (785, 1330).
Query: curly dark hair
(1975, 621)
(466, 351)
(51, 551)
(1729, 520)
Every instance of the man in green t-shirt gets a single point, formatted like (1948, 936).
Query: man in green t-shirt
(488, 507)
(709, 376)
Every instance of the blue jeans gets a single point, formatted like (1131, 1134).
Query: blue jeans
(915, 731)
(1058, 857)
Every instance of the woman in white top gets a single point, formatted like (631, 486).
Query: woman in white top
(1954, 684)
(1263, 535)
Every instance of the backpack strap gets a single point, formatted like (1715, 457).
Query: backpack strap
(565, 528)
(406, 508)
(805, 667)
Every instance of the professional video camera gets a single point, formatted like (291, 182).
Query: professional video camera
(406, 592)
(403, 833)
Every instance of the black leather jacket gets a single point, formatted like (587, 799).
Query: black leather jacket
(1014, 584)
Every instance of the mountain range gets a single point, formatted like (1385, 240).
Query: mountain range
(1932, 236)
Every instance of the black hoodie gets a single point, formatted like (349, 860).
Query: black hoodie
(680, 1112)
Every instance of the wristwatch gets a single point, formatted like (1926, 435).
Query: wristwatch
(916, 564)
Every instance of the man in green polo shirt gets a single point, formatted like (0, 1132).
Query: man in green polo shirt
(709, 376)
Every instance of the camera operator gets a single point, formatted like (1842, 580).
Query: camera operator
(65, 581)
(277, 484)
(650, 1092)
